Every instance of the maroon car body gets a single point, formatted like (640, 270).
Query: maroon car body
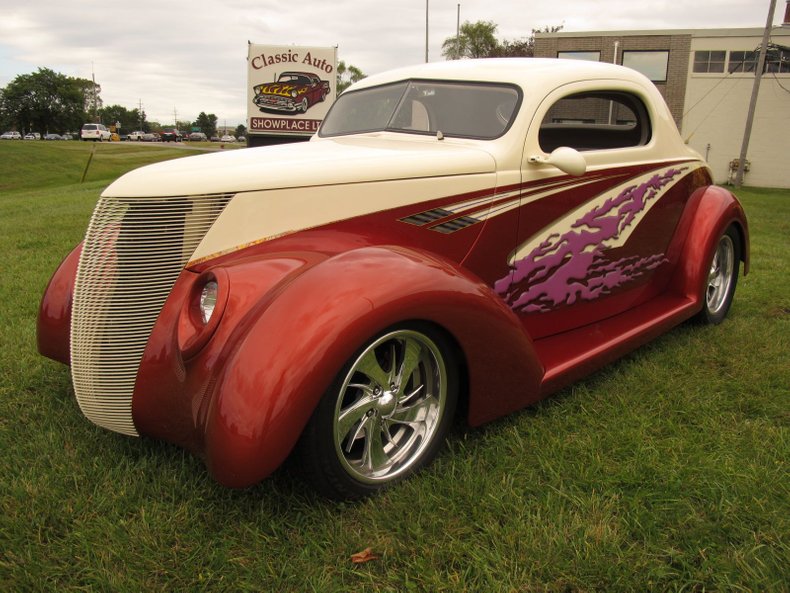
(336, 299)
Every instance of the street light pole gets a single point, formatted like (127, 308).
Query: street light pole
(755, 91)
(426, 31)
(458, 27)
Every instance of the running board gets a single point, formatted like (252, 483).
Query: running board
(571, 355)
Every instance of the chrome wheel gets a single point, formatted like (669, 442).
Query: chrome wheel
(720, 276)
(390, 406)
(721, 279)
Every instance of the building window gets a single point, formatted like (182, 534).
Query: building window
(709, 61)
(652, 64)
(743, 61)
(777, 60)
(590, 56)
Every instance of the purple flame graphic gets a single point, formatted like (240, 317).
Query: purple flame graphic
(568, 267)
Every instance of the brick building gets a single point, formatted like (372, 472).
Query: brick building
(706, 77)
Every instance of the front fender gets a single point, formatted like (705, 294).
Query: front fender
(711, 210)
(53, 325)
(277, 368)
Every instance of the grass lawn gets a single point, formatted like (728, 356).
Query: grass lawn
(668, 471)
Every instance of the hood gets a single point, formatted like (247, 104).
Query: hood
(375, 157)
(281, 89)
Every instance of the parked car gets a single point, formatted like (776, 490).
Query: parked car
(171, 135)
(33, 136)
(469, 235)
(292, 92)
(135, 136)
(198, 137)
(67, 137)
(215, 139)
(95, 132)
(227, 138)
(151, 137)
(53, 137)
(11, 136)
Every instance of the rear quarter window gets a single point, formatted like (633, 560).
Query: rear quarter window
(595, 121)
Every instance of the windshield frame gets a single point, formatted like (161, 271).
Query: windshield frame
(408, 85)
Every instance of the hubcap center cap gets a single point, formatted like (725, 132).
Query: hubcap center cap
(386, 403)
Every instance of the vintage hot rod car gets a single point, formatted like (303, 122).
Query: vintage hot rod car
(468, 235)
(294, 92)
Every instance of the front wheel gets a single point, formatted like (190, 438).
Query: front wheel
(722, 278)
(385, 416)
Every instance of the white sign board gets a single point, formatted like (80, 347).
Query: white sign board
(289, 88)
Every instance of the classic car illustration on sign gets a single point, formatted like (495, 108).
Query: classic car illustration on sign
(461, 236)
(284, 83)
(293, 92)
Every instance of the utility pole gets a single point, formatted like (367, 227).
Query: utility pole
(426, 31)
(755, 91)
(458, 29)
(93, 77)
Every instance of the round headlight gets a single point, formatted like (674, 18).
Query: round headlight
(202, 311)
(208, 300)
(294, 94)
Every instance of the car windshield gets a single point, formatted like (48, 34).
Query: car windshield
(294, 78)
(90, 127)
(456, 109)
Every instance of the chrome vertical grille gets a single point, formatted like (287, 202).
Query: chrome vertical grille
(134, 250)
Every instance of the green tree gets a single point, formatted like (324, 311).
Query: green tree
(129, 119)
(91, 97)
(475, 40)
(44, 101)
(241, 130)
(5, 120)
(347, 74)
(523, 47)
(207, 122)
(478, 40)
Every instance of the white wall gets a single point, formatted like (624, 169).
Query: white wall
(715, 112)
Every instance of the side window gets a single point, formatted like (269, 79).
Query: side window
(597, 120)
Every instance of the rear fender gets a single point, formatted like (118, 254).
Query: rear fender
(278, 367)
(711, 210)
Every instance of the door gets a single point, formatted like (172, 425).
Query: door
(592, 246)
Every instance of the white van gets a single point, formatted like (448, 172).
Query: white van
(94, 132)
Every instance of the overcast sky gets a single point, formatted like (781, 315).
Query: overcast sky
(190, 56)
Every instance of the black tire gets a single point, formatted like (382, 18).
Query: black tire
(385, 416)
(722, 279)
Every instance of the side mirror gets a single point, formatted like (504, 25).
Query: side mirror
(567, 160)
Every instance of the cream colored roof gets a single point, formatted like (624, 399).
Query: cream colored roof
(527, 72)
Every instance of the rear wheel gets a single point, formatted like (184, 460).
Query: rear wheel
(385, 416)
(722, 279)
